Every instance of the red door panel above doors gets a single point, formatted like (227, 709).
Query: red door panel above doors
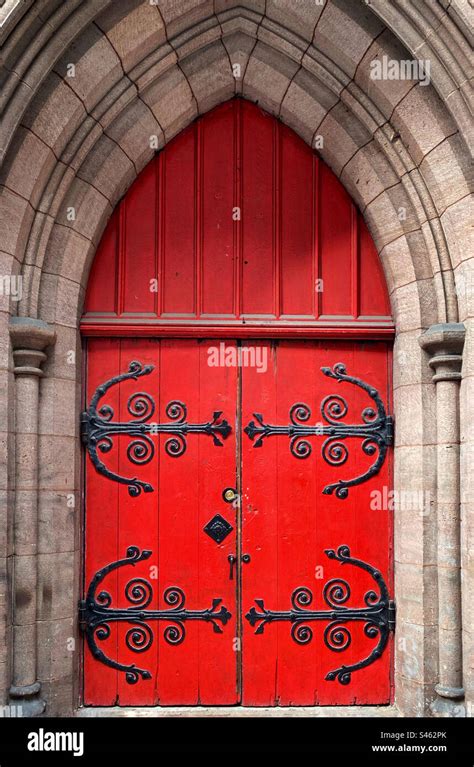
(237, 223)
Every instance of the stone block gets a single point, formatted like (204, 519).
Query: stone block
(306, 103)
(58, 515)
(60, 405)
(183, 14)
(391, 215)
(69, 253)
(413, 699)
(300, 18)
(84, 210)
(11, 290)
(422, 121)
(414, 406)
(16, 215)
(28, 166)
(448, 172)
(345, 31)
(54, 191)
(24, 605)
(416, 657)
(56, 586)
(60, 300)
(108, 168)
(256, 6)
(154, 67)
(57, 651)
(58, 463)
(385, 94)
(343, 135)
(64, 359)
(133, 131)
(24, 517)
(289, 45)
(171, 100)
(416, 592)
(26, 448)
(409, 362)
(209, 75)
(406, 260)
(134, 28)
(61, 697)
(267, 77)
(82, 142)
(191, 40)
(367, 174)
(55, 113)
(96, 66)
(460, 238)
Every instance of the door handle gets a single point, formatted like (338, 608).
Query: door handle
(230, 494)
(245, 558)
(232, 560)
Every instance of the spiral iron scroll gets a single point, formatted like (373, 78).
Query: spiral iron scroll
(375, 431)
(377, 615)
(98, 428)
(96, 615)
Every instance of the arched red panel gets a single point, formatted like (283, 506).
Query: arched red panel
(237, 223)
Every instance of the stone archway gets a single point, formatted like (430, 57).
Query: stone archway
(88, 107)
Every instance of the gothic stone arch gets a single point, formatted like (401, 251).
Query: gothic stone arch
(87, 84)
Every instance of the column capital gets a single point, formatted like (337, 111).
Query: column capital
(29, 338)
(444, 343)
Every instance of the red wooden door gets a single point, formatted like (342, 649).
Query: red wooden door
(237, 230)
(292, 517)
(167, 486)
(264, 628)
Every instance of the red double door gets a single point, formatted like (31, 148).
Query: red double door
(238, 539)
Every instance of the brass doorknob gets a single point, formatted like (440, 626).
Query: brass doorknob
(230, 494)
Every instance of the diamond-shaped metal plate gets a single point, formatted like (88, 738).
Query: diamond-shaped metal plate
(218, 528)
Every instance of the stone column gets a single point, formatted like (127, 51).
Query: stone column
(29, 338)
(444, 344)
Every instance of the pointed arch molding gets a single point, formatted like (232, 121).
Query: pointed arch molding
(87, 85)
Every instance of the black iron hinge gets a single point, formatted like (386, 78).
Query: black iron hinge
(82, 615)
(85, 426)
(390, 429)
(392, 609)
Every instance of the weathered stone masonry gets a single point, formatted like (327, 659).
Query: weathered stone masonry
(74, 138)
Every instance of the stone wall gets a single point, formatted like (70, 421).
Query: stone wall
(86, 85)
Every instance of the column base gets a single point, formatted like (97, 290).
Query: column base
(449, 703)
(26, 700)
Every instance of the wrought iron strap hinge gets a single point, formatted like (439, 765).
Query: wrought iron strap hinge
(98, 428)
(96, 614)
(377, 614)
(375, 431)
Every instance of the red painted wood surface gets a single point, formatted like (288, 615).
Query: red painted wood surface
(253, 278)
(288, 522)
(285, 524)
(237, 223)
(169, 522)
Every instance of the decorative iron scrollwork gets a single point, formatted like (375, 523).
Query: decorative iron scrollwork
(98, 428)
(378, 615)
(96, 615)
(376, 431)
